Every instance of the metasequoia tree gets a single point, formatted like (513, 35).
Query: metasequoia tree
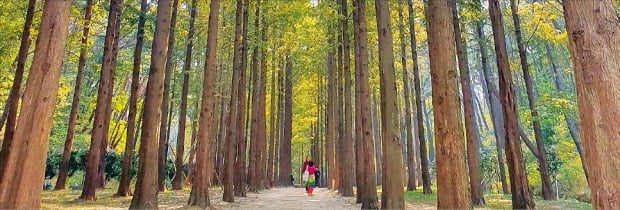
(231, 129)
(452, 188)
(495, 108)
(163, 131)
(330, 131)
(346, 139)
(547, 191)
(103, 107)
(199, 195)
(426, 177)
(359, 150)
(471, 126)
(411, 169)
(521, 195)
(13, 99)
(21, 176)
(125, 179)
(63, 167)
(595, 25)
(369, 193)
(145, 194)
(241, 99)
(393, 191)
(287, 125)
(179, 177)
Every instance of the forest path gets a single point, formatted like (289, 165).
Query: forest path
(292, 198)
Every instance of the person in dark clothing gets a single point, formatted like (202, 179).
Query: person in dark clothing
(317, 175)
(292, 179)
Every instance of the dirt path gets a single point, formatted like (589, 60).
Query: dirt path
(291, 198)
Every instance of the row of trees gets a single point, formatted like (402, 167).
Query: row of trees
(230, 145)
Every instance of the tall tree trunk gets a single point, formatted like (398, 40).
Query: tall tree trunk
(108, 109)
(359, 146)
(125, 179)
(331, 132)
(63, 167)
(199, 195)
(163, 131)
(240, 161)
(452, 188)
(347, 140)
(393, 192)
(543, 168)
(595, 25)
(280, 122)
(231, 122)
(14, 94)
(255, 140)
(285, 144)
(339, 112)
(262, 119)
(145, 194)
(272, 129)
(376, 121)
(471, 126)
(179, 177)
(369, 197)
(426, 177)
(92, 178)
(521, 195)
(411, 181)
(23, 168)
(494, 106)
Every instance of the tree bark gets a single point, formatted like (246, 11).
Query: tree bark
(241, 98)
(426, 177)
(145, 194)
(347, 140)
(199, 196)
(543, 168)
(331, 132)
(14, 94)
(376, 121)
(125, 179)
(369, 197)
(359, 146)
(595, 25)
(63, 167)
(21, 175)
(285, 144)
(179, 177)
(273, 129)
(411, 180)
(452, 189)
(393, 191)
(255, 139)
(92, 179)
(521, 196)
(494, 107)
(163, 131)
(262, 119)
(471, 126)
(231, 122)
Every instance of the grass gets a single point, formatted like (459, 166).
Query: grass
(496, 201)
(106, 199)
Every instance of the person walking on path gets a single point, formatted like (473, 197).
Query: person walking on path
(304, 167)
(311, 179)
